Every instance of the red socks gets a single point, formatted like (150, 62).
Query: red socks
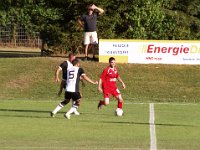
(102, 102)
(119, 105)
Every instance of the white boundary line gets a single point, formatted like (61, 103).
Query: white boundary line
(153, 145)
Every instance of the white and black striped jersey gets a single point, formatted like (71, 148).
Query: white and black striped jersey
(73, 79)
(64, 66)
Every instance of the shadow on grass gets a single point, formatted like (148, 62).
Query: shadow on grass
(25, 116)
(19, 110)
(143, 123)
(82, 114)
(26, 111)
(14, 54)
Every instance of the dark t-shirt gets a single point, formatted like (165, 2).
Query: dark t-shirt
(90, 22)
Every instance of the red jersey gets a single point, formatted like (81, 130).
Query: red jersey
(109, 77)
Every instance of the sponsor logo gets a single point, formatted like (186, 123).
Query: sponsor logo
(174, 50)
(189, 59)
(154, 58)
(120, 45)
(117, 52)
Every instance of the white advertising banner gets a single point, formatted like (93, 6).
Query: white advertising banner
(150, 51)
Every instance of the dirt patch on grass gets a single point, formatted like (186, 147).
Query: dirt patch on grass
(22, 82)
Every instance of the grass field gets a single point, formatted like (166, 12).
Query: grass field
(28, 94)
(27, 125)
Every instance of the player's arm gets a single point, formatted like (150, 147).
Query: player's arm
(88, 79)
(102, 77)
(120, 80)
(57, 72)
(83, 75)
(100, 10)
(100, 85)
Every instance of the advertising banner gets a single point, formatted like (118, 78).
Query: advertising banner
(150, 51)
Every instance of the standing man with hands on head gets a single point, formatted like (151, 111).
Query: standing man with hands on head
(89, 22)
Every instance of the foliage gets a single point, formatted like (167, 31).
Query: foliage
(133, 19)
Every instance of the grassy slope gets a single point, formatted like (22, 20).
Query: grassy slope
(33, 78)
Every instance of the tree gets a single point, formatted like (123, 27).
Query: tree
(133, 19)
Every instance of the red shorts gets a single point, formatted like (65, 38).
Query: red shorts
(114, 92)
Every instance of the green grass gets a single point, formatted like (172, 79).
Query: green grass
(26, 124)
(178, 126)
(28, 94)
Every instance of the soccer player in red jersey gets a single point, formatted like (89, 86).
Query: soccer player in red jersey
(107, 85)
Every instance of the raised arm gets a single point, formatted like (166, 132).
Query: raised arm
(100, 10)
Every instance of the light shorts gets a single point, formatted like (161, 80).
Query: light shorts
(90, 38)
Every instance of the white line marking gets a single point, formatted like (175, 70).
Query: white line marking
(153, 145)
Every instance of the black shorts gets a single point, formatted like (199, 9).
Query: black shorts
(72, 95)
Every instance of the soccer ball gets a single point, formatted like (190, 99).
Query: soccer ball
(119, 112)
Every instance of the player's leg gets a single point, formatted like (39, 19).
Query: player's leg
(72, 110)
(62, 86)
(120, 101)
(76, 97)
(104, 102)
(74, 104)
(116, 93)
(59, 107)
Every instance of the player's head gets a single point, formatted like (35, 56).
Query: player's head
(71, 57)
(76, 62)
(112, 61)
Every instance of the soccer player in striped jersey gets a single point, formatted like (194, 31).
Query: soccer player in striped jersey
(63, 67)
(72, 87)
(107, 85)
